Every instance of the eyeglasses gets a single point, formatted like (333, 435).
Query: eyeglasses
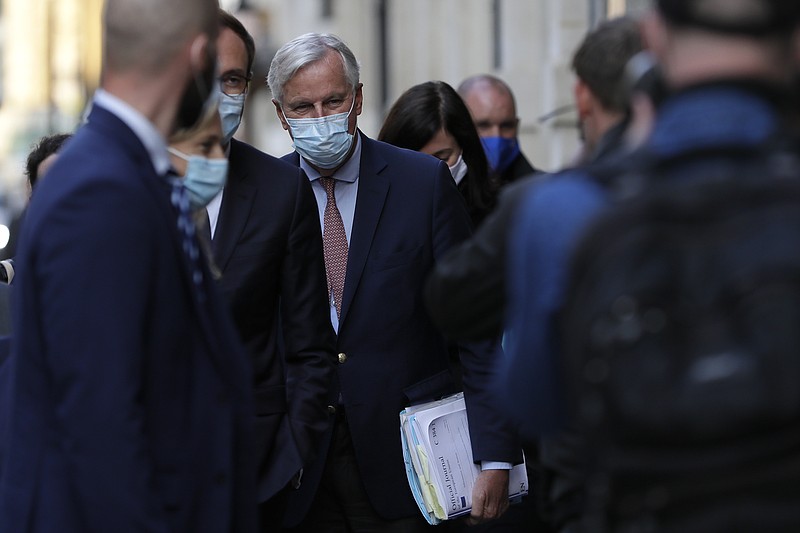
(233, 84)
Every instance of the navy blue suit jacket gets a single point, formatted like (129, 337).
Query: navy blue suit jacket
(131, 406)
(408, 214)
(268, 246)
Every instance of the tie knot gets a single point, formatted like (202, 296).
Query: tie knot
(328, 184)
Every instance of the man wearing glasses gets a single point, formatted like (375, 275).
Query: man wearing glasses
(267, 244)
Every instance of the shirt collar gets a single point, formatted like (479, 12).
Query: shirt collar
(348, 172)
(147, 133)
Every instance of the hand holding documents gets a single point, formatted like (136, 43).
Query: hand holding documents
(438, 457)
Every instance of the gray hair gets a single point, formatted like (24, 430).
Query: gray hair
(304, 50)
(147, 34)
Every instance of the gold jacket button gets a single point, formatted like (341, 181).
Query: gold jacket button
(331, 410)
(342, 358)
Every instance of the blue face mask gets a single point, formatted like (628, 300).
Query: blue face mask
(500, 152)
(204, 177)
(325, 141)
(230, 112)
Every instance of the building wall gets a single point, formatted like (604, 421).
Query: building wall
(50, 52)
(50, 65)
(446, 40)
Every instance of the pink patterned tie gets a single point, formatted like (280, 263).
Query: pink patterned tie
(334, 242)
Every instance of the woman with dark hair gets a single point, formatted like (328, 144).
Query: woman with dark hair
(431, 118)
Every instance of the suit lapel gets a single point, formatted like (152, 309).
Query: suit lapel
(371, 197)
(237, 202)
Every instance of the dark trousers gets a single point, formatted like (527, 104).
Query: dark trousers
(341, 504)
(270, 512)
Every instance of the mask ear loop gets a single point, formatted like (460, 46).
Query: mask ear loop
(177, 153)
(286, 121)
(352, 104)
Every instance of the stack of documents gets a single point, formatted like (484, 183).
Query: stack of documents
(438, 458)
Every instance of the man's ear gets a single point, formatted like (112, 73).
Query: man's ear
(281, 117)
(359, 98)
(583, 99)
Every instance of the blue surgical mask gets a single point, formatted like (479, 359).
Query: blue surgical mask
(500, 152)
(325, 141)
(230, 112)
(459, 169)
(204, 177)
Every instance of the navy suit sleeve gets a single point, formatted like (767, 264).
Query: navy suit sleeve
(92, 269)
(310, 340)
(492, 436)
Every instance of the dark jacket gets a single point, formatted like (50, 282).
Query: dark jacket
(131, 407)
(408, 213)
(268, 247)
(466, 292)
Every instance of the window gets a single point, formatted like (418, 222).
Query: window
(327, 9)
(602, 9)
(620, 7)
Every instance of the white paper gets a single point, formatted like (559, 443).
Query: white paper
(439, 461)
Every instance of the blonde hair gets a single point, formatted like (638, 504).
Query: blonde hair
(200, 216)
(211, 112)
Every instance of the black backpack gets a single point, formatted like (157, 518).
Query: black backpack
(681, 338)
